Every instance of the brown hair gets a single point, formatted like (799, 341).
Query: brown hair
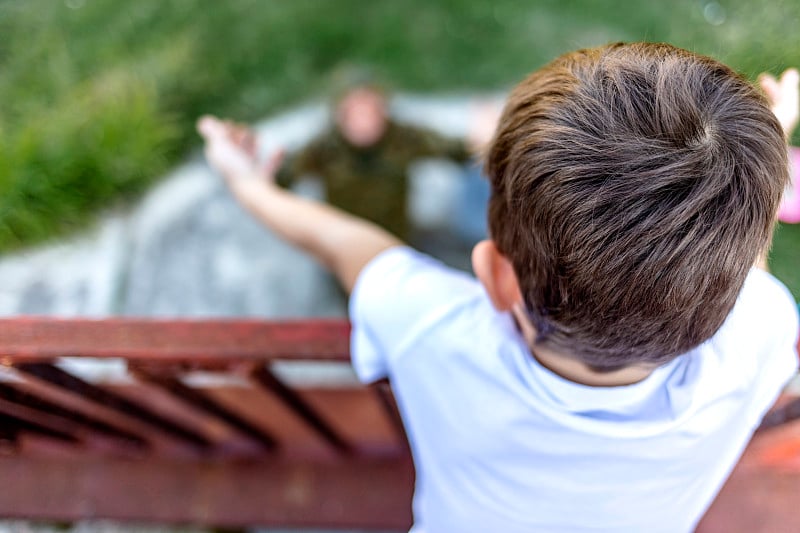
(633, 187)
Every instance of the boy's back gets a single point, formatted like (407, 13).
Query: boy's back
(503, 444)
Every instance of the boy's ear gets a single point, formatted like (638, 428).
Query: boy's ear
(497, 275)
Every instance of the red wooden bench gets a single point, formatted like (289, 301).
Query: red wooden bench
(221, 423)
(195, 422)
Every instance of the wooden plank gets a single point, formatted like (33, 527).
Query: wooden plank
(160, 442)
(53, 425)
(777, 447)
(12, 392)
(15, 421)
(31, 445)
(760, 496)
(347, 493)
(359, 416)
(35, 339)
(98, 395)
(755, 500)
(8, 438)
(786, 410)
(225, 440)
(384, 392)
(264, 409)
(201, 402)
(262, 376)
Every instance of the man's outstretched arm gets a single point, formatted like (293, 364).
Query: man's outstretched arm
(340, 241)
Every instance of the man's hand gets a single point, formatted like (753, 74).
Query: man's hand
(784, 97)
(231, 150)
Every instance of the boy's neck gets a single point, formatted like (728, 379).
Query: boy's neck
(574, 370)
(577, 371)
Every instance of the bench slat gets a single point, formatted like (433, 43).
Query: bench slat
(160, 441)
(192, 341)
(346, 493)
(226, 441)
(359, 416)
(16, 419)
(263, 409)
(262, 377)
(65, 380)
(755, 500)
(11, 392)
(384, 392)
(200, 401)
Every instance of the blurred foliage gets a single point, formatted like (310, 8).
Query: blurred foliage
(99, 96)
(785, 257)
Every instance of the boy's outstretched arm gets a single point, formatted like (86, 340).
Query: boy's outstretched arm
(340, 241)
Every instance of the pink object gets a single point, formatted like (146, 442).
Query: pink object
(790, 206)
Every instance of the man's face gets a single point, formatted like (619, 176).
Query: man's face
(361, 117)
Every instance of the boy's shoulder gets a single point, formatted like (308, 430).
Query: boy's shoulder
(763, 322)
(402, 296)
(764, 307)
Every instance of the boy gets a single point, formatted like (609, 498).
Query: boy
(609, 366)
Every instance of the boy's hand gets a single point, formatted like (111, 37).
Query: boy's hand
(231, 150)
(784, 97)
(342, 242)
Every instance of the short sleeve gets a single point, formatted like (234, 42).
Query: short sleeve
(399, 295)
(778, 315)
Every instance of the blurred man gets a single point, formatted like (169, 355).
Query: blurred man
(363, 158)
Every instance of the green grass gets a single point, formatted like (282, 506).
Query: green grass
(785, 257)
(99, 101)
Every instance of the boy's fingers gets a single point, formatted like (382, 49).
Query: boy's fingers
(241, 135)
(233, 130)
(274, 162)
(237, 134)
(209, 127)
(249, 142)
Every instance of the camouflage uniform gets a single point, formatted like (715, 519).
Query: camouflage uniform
(371, 182)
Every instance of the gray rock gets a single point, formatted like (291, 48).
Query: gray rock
(211, 258)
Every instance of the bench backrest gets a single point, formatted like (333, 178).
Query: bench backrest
(199, 399)
(239, 423)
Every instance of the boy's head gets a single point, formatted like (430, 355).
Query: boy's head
(633, 187)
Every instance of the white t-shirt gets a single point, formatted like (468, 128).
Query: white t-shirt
(501, 444)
